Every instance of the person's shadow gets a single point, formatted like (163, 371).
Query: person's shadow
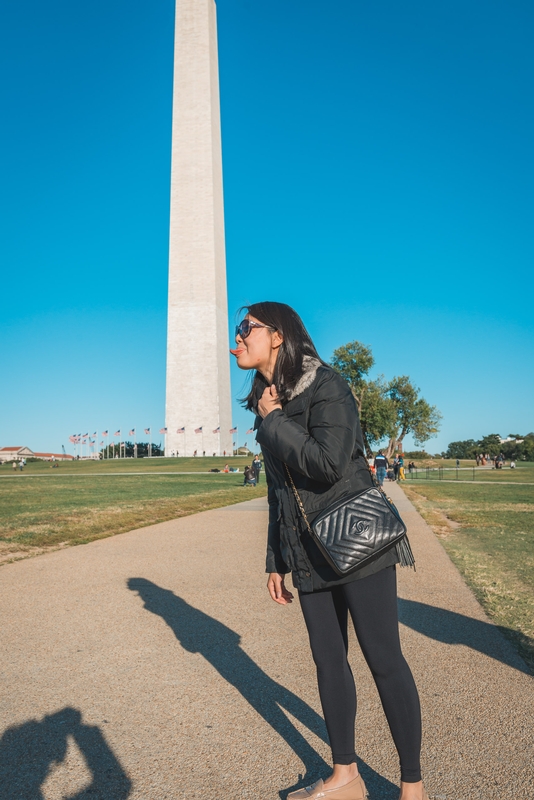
(28, 751)
(199, 633)
(450, 627)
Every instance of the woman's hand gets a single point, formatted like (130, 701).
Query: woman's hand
(269, 401)
(277, 589)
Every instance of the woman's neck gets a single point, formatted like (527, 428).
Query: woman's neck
(267, 370)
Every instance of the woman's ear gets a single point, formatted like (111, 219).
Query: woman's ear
(276, 340)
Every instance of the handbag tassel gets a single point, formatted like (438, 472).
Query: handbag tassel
(404, 552)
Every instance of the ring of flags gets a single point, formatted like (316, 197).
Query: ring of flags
(85, 438)
(91, 441)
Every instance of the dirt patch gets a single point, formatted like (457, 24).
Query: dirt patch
(441, 524)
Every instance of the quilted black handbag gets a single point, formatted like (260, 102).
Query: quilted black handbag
(357, 528)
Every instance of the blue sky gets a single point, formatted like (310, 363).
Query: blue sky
(378, 170)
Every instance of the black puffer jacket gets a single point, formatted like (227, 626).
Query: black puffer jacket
(318, 435)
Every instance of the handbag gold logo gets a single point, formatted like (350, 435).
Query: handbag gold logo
(361, 527)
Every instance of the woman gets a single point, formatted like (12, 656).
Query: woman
(306, 418)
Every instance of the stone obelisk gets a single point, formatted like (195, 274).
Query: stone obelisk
(198, 368)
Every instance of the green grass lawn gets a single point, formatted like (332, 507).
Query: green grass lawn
(468, 471)
(43, 508)
(488, 531)
(127, 465)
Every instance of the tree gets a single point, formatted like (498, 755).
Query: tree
(387, 410)
(377, 413)
(413, 414)
(462, 449)
(128, 450)
(522, 449)
(491, 444)
(353, 362)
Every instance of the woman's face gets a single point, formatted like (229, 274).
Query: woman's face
(259, 350)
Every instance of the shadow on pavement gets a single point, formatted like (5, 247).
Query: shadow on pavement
(199, 633)
(28, 751)
(452, 628)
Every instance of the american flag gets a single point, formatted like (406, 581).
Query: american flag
(147, 431)
(132, 432)
(217, 430)
(250, 430)
(95, 434)
(101, 444)
(73, 439)
(233, 430)
(180, 430)
(104, 433)
(86, 434)
(117, 433)
(198, 430)
(163, 430)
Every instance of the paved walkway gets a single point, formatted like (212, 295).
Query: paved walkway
(152, 665)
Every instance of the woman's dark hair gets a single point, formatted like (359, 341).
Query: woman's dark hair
(297, 344)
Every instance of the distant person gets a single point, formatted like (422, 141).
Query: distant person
(458, 462)
(402, 476)
(381, 467)
(256, 466)
(396, 468)
(226, 468)
(15, 466)
(512, 464)
(21, 465)
(249, 478)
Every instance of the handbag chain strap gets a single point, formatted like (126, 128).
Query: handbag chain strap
(301, 506)
(297, 498)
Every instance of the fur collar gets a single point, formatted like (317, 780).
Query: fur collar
(310, 366)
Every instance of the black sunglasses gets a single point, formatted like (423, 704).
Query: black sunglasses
(245, 326)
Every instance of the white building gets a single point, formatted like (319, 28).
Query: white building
(18, 453)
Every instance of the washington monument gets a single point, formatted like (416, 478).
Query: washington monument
(198, 368)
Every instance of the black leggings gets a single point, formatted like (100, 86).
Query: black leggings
(372, 603)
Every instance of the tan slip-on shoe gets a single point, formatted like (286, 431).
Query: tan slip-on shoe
(355, 790)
